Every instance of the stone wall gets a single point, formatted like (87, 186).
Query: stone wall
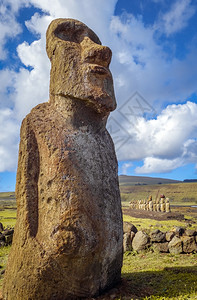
(178, 240)
(6, 235)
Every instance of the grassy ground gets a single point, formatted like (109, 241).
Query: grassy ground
(154, 224)
(149, 276)
(8, 217)
(7, 200)
(159, 276)
(8, 209)
(145, 276)
(4, 251)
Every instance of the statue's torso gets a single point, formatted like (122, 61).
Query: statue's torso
(71, 209)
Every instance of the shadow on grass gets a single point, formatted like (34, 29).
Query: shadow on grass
(170, 282)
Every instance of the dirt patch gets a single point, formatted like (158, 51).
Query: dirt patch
(159, 216)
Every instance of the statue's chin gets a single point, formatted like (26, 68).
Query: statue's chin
(104, 103)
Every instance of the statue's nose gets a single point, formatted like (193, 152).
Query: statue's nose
(95, 53)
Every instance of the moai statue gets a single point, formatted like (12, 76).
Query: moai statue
(135, 204)
(157, 206)
(144, 204)
(154, 205)
(131, 204)
(162, 203)
(150, 203)
(68, 237)
(138, 204)
(168, 205)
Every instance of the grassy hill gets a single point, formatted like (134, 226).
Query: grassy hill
(125, 180)
(183, 193)
(7, 200)
(140, 187)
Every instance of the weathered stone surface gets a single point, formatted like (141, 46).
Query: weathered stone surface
(140, 241)
(1, 227)
(190, 232)
(8, 239)
(68, 236)
(179, 231)
(6, 236)
(161, 247)
(150, 205)
(189, 244)
(169, 235)
(128, 227)
(132, 235)
(175, 245)
(157, 236)
(127, 242)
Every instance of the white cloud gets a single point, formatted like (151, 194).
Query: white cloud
(164, 143)
(8, 140)
(95, 14)
(7, 79)
(125, 167)
(9, 28)
(139, 63)
(177, 17)
(32, 86)
(157, 165)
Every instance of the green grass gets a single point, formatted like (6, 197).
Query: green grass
(4, 251)
(7, 195)
(159, 276)
(125, 180)
(145, 276)
(8, 217)
(150, 276)
(154, 224)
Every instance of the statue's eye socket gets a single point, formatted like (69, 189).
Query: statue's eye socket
(75, 35)
(63, 35)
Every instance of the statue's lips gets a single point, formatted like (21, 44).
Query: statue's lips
(100, 70)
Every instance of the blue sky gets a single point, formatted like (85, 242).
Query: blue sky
(154, 66)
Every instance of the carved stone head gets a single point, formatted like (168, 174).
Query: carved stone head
(79, 65)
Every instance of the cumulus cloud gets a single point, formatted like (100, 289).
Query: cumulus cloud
(9, 27)
(8, 140)
(164, 143)
(7, 79)
(32, 86)
(139, 64)
(125, 167)
(177, 17)
(157, 165)
(96, 14)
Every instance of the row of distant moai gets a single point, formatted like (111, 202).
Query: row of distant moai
(161, 204)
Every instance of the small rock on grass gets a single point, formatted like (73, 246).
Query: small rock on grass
(175, 245)
(141, 241)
